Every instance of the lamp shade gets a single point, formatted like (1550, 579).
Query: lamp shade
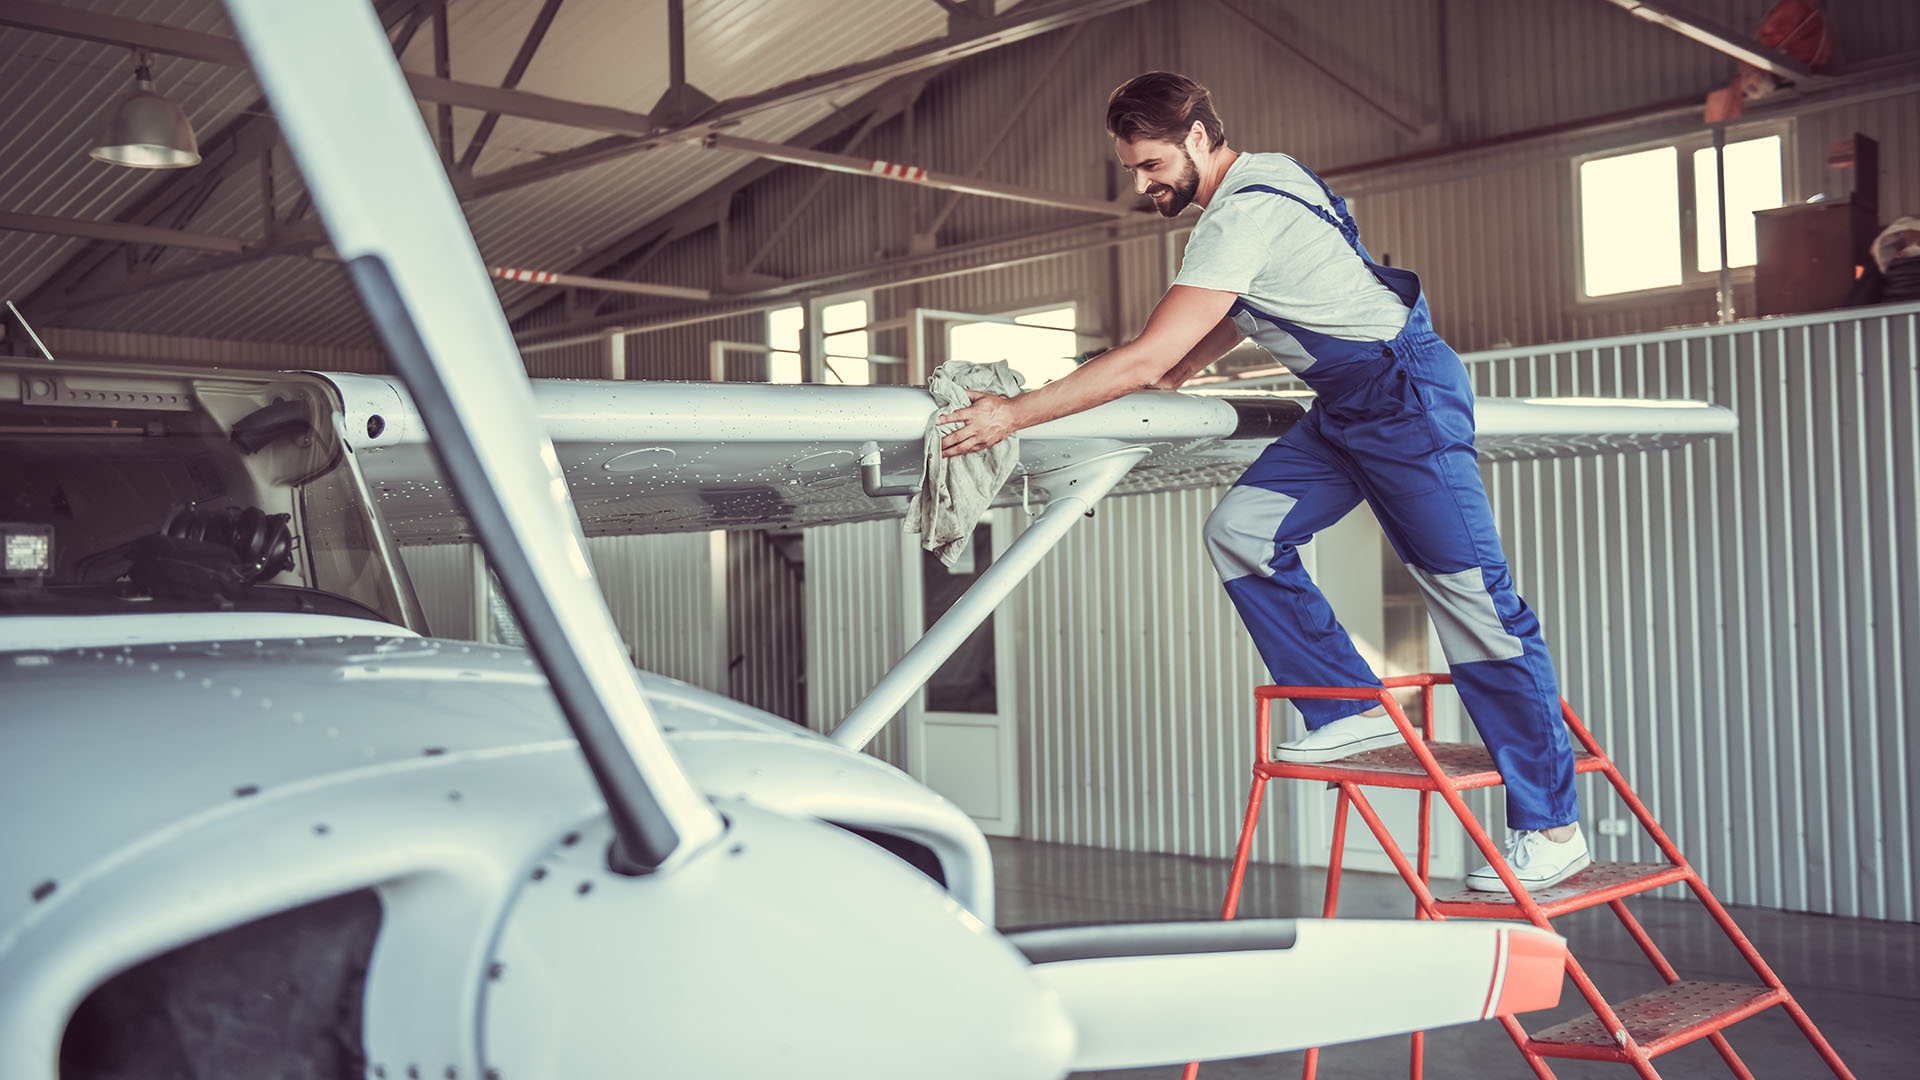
(147, 131)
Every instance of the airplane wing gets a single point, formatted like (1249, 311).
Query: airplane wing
(655, 457)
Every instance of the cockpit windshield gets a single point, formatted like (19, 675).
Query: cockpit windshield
(172, 491)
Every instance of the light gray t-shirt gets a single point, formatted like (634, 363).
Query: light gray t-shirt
(1284, 259)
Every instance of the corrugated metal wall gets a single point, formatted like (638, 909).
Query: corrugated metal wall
(667, 594)
(442, 576)
(1736, 621)
(1134, 677)
(1739, 622)
(766, 638)
(855, 618)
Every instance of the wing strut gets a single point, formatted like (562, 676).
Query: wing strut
(1079, 487)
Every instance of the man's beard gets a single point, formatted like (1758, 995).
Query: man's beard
(1184, 188)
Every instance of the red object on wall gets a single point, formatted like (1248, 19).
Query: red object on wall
(1798, 28)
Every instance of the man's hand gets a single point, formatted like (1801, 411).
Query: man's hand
(988, 420)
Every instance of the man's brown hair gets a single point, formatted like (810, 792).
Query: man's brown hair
(1162, 105)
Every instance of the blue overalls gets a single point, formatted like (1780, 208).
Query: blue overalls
(1393, 424)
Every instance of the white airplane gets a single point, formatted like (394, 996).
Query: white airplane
(260, 819)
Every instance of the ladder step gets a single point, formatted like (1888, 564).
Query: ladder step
(1596, 885)
(1663, 1020)
(1468, 765)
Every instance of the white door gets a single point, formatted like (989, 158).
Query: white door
(960, 726)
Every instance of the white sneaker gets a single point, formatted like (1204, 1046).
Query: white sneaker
(1537, 861)
(1344, 737)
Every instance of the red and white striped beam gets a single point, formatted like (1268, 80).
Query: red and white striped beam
(575, 281)
(914, 174)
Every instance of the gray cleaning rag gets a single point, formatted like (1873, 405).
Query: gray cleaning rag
(955, 492)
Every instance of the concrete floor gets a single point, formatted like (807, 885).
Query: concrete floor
(1858, 979)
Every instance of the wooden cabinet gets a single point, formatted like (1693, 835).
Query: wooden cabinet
(1807, 255)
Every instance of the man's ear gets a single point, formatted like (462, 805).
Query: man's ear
(1197, 133)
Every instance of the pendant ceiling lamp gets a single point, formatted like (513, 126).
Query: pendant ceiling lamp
(145, 129)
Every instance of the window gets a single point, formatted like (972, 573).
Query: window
(1634, 208)
(1040, 345)
(783, 335)
(1753, 183)
(848, 342)
(1630, 221)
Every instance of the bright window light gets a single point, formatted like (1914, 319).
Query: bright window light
(1630, 221)
(848, 342)
(1753, 183)
(783, 333)
(1042, 348)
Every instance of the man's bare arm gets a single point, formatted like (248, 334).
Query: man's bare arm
(1219, 341)
(1179, 323)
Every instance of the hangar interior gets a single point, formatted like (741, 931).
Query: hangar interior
(736, 190)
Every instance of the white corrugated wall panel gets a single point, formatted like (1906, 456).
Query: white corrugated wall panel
(666, 594)
(766, 637)
(1737, 620)
(1135, 690)
(442, 576)
(855, 619)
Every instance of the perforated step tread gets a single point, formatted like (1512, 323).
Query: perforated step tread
(1663, 1020)
(1597, 884)
(1468, 765)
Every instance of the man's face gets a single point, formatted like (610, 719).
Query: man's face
(1162, 171)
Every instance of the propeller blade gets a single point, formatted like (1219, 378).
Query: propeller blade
(1162, 993)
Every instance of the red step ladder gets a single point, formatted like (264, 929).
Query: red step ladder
(1634, 1032)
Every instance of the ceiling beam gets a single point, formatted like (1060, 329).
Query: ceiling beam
(799, 206)
(1014, 117)
(187, 271)
(1273, 37)
(698, 213)
(542, 21)
(238, 145)
(972, 257)
(629, 131)
(122, 233)
(1717, 37)
(914, 174)
(214, 49)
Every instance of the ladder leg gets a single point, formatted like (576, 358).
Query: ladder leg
(1711, 903)
(1417, 1049)
(1641, 938)
(1238, 877)
(1336, 857)
(1819, 1041)
(1245, 848)
(1725, 1048)
(1422, 896)
(1519, 1036)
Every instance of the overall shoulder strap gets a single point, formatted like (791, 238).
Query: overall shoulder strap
(1343, 223)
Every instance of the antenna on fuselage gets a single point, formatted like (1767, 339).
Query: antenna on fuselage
(23, 325)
